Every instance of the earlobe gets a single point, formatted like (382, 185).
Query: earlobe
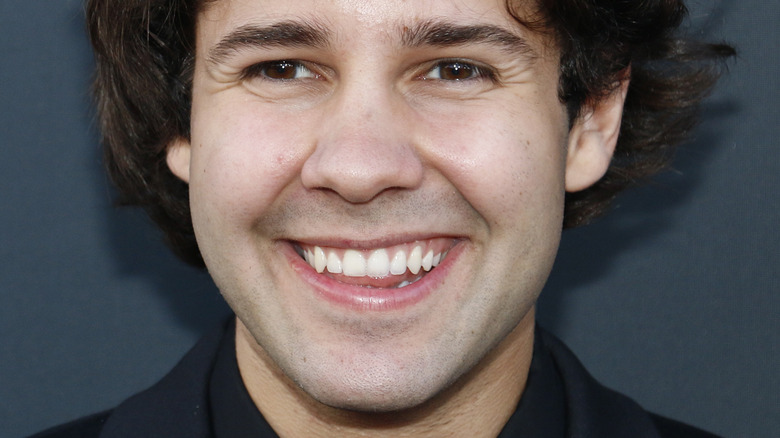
(592, 140)
(178, 159)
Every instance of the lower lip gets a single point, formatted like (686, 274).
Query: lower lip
(365, 299)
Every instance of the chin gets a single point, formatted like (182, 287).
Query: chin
(374, 400)
(383, 387)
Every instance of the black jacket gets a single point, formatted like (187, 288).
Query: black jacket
(177, 406)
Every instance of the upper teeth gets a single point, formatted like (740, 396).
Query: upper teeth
(377, 263)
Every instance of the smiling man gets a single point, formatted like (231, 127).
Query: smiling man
(378, 189)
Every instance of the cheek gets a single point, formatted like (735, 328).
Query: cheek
(243, 159)
(506, 163)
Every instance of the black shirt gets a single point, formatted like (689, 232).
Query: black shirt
(233, 413)
(204, 397)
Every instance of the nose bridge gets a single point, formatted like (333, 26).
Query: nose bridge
(359, 115)
(364, 145)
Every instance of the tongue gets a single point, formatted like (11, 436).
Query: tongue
(391, 281)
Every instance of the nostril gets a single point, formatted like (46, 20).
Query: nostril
(358, 173)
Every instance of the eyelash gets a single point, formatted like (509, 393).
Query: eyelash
(478, 72)
(260, 70)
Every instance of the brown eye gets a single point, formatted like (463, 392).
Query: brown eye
(280, 70)
(456, 71)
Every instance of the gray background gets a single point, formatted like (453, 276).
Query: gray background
(671, 299)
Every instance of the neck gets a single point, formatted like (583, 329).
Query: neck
(478, 404)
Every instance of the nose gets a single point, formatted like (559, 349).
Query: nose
(365, 146)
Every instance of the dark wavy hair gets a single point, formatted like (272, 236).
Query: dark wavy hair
(144, 52)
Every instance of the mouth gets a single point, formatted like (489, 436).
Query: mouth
(396, 266)
(380, 278)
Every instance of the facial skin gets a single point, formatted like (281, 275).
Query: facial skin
(365, 125)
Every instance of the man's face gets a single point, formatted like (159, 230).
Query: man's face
(371, 138)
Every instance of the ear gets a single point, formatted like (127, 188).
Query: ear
(593, 138)
(178, 158)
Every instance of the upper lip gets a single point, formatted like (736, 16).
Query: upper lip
(368, 244)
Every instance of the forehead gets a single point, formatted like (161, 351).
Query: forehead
(389, 19)
(366, 9)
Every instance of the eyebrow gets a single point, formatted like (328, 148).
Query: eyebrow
(282, 34)
(295, 33)
(446, 34)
